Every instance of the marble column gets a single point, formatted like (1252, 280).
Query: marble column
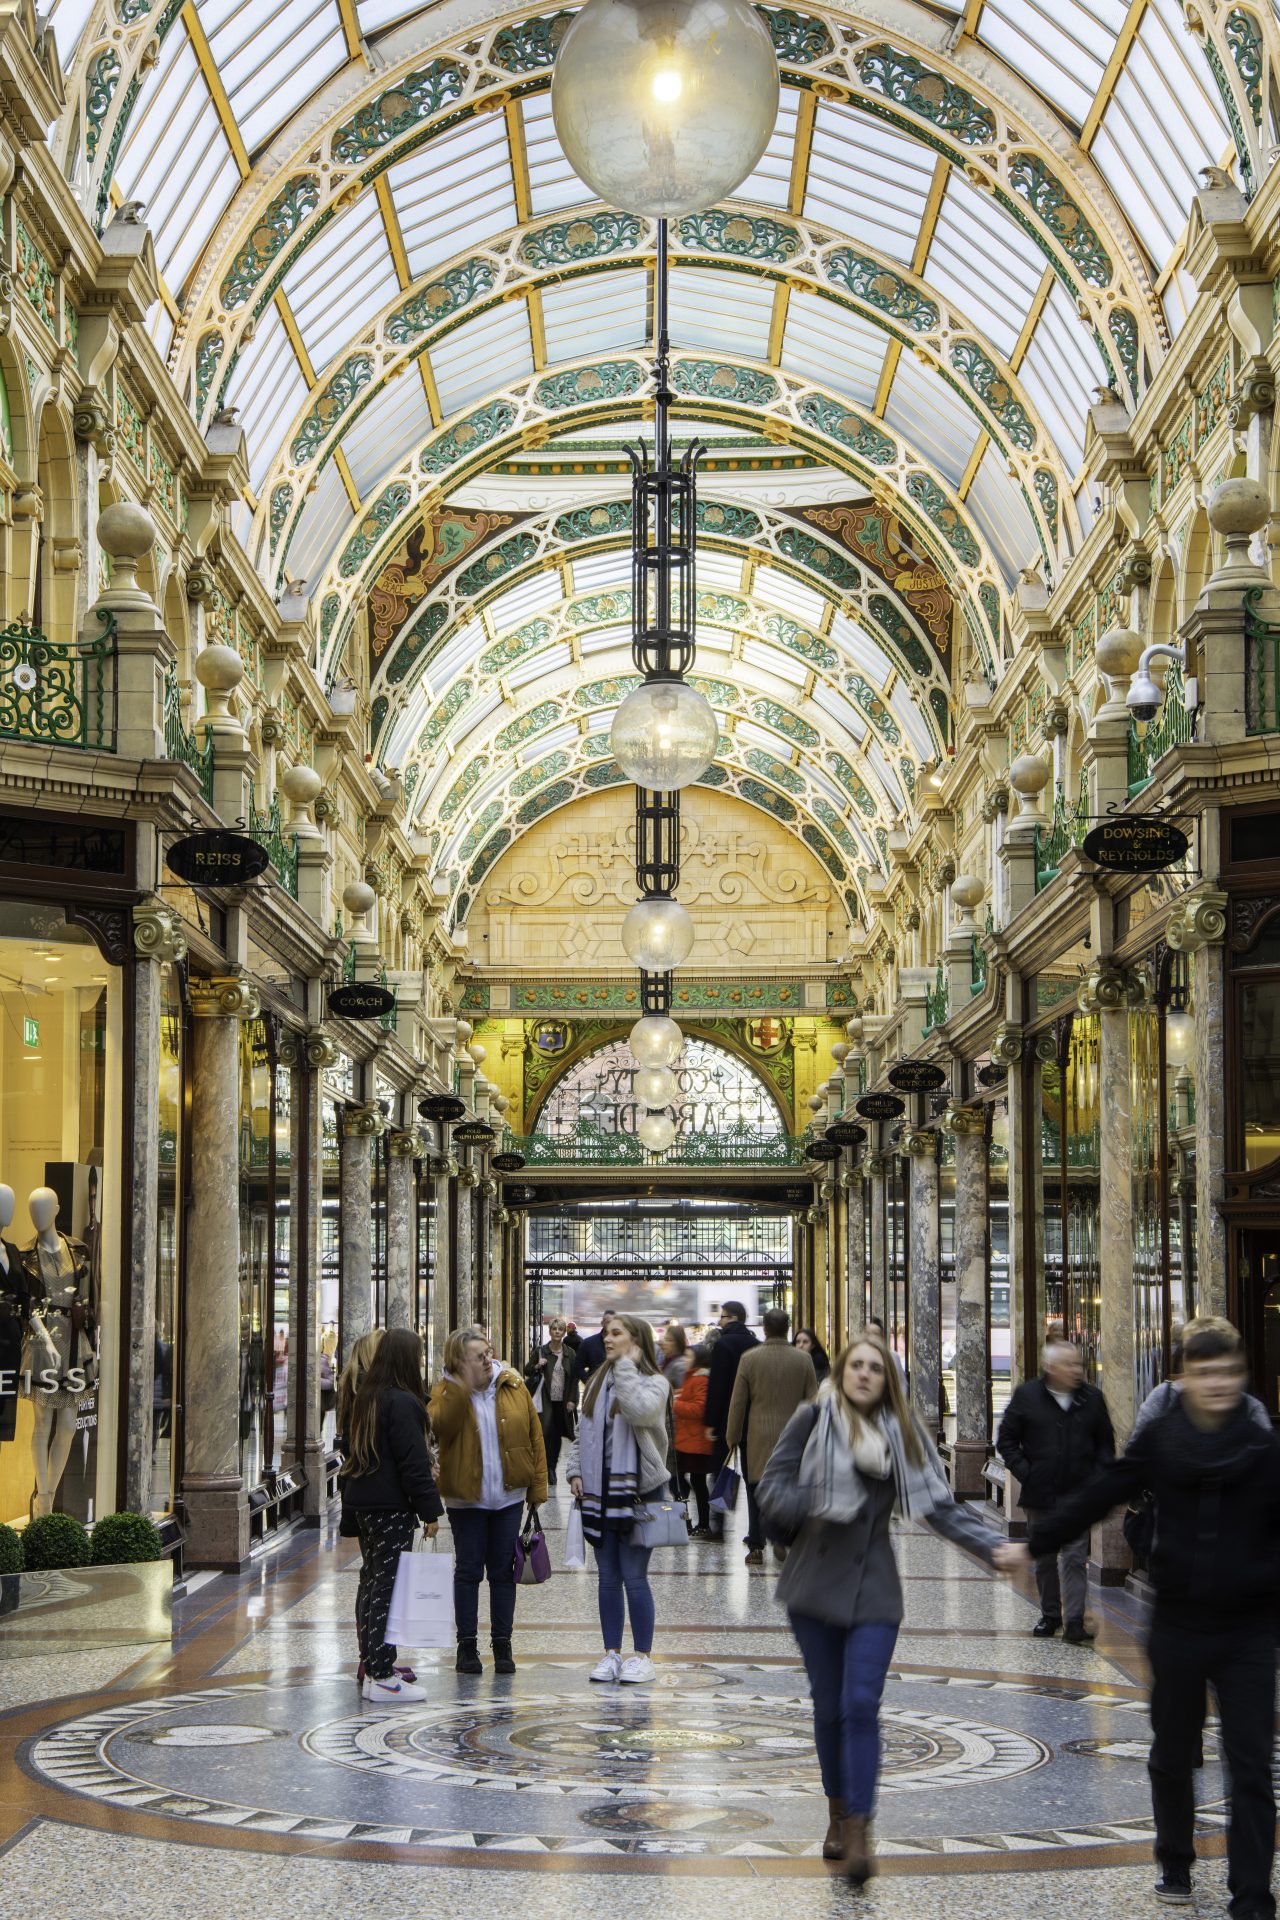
(305, 1055)
(213, 1488)
(924, 1278)
(879, 1249)
(1115, 1230)
(1026, 1207)
(360, 1128)
(1209, 998)
(969, 1454)
(157, 938)
(440, 1323)
(401, 1228)
(854, 1247)
(465, 1201)
(820, 1243)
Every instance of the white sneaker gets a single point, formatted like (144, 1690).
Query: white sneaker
(394, 1692)
(637, 1669)
(610, 1668)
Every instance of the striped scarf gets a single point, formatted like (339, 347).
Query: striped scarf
(610, 1487)
(834, 1471)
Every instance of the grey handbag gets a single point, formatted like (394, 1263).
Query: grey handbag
(661, 1522)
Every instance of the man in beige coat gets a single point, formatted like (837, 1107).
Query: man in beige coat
(773, 1380)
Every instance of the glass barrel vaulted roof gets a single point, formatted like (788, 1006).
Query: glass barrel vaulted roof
(373, 248)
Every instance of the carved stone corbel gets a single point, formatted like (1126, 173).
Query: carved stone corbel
(1134, 570)
(158, 933)
(322, 1050)
(1254, 393)
(405, 1146)
(1006, 1048)
(1108, 986)
(225, 996)
(1199, 920)
(366, 1122)
(963, 1120)
(918, 1143)
(91, 422)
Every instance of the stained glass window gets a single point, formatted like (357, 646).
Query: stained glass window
(719, 1095)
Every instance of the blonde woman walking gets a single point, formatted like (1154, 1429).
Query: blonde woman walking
(618, 1460)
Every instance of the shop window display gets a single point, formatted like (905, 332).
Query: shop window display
(264, 1252)
(164, 1437)
(60, 1180)
(999, 1331)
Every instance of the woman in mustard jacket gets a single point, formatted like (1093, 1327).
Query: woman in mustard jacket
(492, 1458)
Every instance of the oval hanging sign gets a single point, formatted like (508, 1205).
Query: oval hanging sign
(917, 1076)
(822, 1150)
(1136, 846)
(880, 1106)
(846, 1133)
(991, 1076)
(216, 858)
(443, 1108)
(474, 1134)
(361, 1000)
(507, 1162)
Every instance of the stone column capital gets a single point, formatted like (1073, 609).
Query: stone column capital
(1198, 920)
(363, 1122)
(225, 996)
(158, 933)
(1006, 1048)
(468, 1177)
(1109, 987)
(406, 1146)
(313, 1049)
(964, 1121)
(918, 1143)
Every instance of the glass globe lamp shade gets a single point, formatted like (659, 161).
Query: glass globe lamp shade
(664, 735)
(1179, 1038)
(657, 1131)
(655, 1086)
(657, 935)
(664, 106)
(655, 1040)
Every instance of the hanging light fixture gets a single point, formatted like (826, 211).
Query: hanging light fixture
(656, 1040)
(657, 1131)
(664, 735)
(655, 1086)
(1179, 1036)
(657, 935)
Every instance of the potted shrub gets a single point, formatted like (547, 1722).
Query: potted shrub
(10, 1568)
(54, 1540)
(124, 1539)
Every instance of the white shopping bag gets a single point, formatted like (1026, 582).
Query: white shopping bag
(575, 1545)
(537, 1398)
(421, 1613)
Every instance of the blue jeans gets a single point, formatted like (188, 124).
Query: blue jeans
(620, 1564)
(846, 1668)
(484, 1541)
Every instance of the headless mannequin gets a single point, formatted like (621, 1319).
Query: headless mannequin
(14, 1305)
(57, 1271)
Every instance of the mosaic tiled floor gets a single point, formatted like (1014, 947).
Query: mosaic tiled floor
(1008, 1762)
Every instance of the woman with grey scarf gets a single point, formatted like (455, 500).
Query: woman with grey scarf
(844, 1465)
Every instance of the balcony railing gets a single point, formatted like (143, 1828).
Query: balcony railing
(937, 1001)
(1262, 668)
(1173, 726)
(1067, 829)
(56, 693)
(282, 848)
(590, 1147)
(182, 745)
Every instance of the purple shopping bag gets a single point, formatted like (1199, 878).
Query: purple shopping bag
(533, 1557)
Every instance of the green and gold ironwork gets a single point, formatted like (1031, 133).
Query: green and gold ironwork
(1262, 667)
(1067, 829)
(180, 743)
(55, 692)
(1172, 727)
(591, 1147)
(937, 1001)
(282, 849)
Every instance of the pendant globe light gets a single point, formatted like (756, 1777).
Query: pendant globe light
(657, 935)
(657, 1131)
(664, 735)
(656, 1040)
(664, 106)
(655, 1087)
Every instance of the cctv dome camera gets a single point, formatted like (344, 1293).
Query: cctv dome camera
(1144, 696)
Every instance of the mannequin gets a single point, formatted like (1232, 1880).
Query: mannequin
(14, 1311)
(60, 1341)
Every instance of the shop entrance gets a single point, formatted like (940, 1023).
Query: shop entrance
(1258, 1281)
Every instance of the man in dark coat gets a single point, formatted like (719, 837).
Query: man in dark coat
(1215, 1566)
(591, 1351)
(1056, 1434)
(736, 1338)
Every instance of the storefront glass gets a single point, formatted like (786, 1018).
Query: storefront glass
(896, 1255)
(999, 1336)
(169, 1229)
(61, 1144)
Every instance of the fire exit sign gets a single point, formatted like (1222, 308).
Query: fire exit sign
(30, 1032)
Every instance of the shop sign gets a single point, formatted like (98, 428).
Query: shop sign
(822, 1150)
(1136, 846)
(442, 1108)
(216, 858)
(507, 1162)
(846, 1133)
(917, 1076)
(30, 1032)
(880, 1106)
(991, 1076)
(361, 1000)
(473, 1134)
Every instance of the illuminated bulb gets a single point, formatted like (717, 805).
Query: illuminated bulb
(667, 85)
(1179, 1038)
(664, 735)
(656, 1040)
(657, 935)
(655, 1086)
(657, 1131)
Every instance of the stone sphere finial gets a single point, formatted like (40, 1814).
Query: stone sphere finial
(1238, 508)
(357, 897)
(301, 785)
(219, 670)
(1116, 657)
(126, 534)
(966, 896)
(462, 1032)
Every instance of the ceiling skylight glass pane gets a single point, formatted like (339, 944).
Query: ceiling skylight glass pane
(868, 180)
(373, 15)
(996, 502)
(1060, 371)
(1061, 50)
(719, 572)
(488, 353)
(553, 660)
(824, 343)
(770, 184)
(776, 666)
(726, 312)
(1164, 123)
(535, 595)
(272, 59)
(858, 647)
(982, 259)
(604, 313)
(553, 185)
(68, 18)
(325, 521)
(849, 719)
(780, 590)
(342, 280)
(269, 390)
(602, 572)
(933, 416)
(176, 159)
(454, 192)
(390, 427)
(457, 656)
(599, 640)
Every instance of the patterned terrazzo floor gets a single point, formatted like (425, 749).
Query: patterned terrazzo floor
(243, 1765)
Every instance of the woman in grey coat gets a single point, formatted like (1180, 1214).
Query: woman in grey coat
(844, 1465)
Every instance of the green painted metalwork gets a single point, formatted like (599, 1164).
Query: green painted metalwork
(796, 36)
(937, 1001)
(585, 237)
(453, 291)
(1032, 181)
(1173, 726)
(531, 45)
(977, 965)
(281, 220)
(282, 849)
(485, 424)
(902, 78)
(927, 494)
(339, 394)
(387, 1020)
(750, 237)
(381, 516)
(415, 97)
(711, 380)
(180, 744)
(850, 429)
(99, 89)
(590, 1147)
(55, 693)
(981, 374)
(880, 287)
(1067, 829)
(1262, 667)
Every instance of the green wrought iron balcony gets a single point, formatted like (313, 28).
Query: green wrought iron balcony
(591, 1147)
(58, 693)
(179, 743)
(1262, 668)
(1173, 726)
(282, 848)
(1067, 829)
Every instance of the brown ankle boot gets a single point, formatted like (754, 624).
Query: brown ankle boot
(857, 1865)
(833, 1845)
